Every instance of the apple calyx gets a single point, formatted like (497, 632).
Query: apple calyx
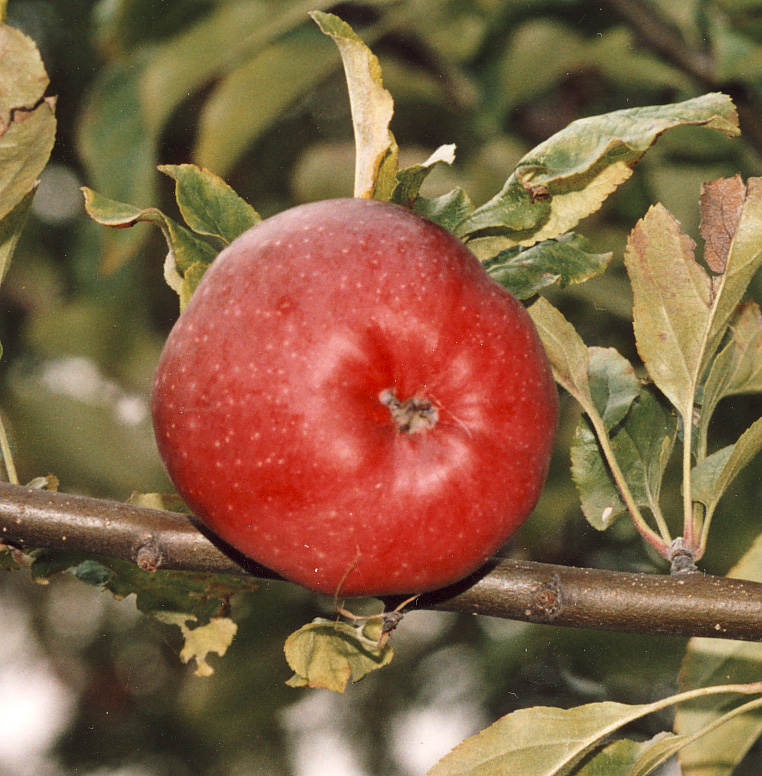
(413, 415)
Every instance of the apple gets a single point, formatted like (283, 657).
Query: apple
(351, 401)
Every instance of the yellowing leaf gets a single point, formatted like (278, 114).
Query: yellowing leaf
(672, 296)
(216, 636)
(327, 654)
(163, 501)
(552, 741)
(372, 110)
(27, 120)
(736, 369)
(568, 354)
(569, 208)
(681, 313)
(568, 176)
(747, 344)
(11, 226)
(539, 740)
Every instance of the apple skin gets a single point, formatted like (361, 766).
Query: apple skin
(282, 401)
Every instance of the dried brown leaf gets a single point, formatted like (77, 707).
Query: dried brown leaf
(721, 204)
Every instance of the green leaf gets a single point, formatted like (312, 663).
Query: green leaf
(568, 177)
(613, 384)
(642, 447)
(188, 256)
(613, 387)
(27, 118)
(655, 752)
(214, 636)
(615, 759)
(327, 654)
(708, 661)
(672, 299)
(9, 560)
(712, 476)
(410, 180)
(93, 573)
(208, 205)
(448, 210)
(524, 271)
(131, 101)
(599, 495)
(372, 110)
(199, 595)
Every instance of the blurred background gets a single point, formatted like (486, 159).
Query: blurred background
(252, 90)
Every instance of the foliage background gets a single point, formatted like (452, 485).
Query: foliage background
(254, 91)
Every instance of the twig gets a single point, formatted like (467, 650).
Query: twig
(657, 33)
(690, 604)
(660, 35)
(7, 455)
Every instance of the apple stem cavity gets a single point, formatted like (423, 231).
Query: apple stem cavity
(413, 415)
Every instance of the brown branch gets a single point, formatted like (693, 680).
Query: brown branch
(659, 34)
(681, 605)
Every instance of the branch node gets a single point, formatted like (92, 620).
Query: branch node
(681, 557)
(148, 555)
(547, 600)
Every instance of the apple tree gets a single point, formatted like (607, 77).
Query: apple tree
(362, 395)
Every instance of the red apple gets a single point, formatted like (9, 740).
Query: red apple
(350, 400)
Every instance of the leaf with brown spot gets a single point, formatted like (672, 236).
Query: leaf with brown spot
(721, 204)
(27, 118)
(672, 302)
(569, 175)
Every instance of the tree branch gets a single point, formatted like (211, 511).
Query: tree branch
(692, 604)
(657, 33)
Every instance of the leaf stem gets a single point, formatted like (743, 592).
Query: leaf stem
(660, 543)
(5, 447)
(706, 521)
(661, 522)
(689, 528)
